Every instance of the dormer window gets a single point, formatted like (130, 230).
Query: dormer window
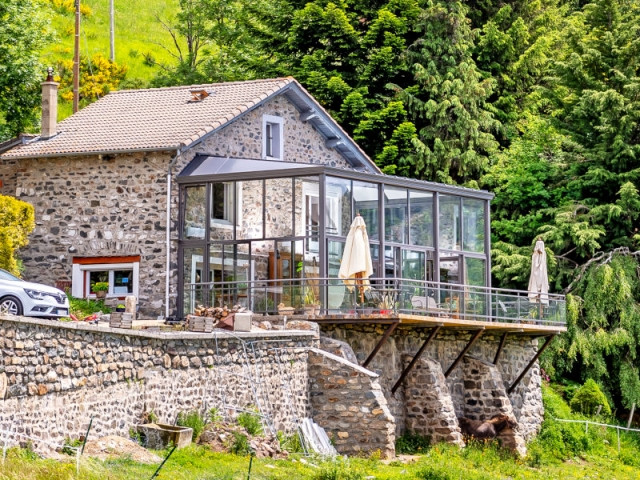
(272, 137)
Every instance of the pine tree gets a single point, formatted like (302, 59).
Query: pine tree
(447, 102)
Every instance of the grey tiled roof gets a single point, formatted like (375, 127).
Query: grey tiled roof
(151, 119)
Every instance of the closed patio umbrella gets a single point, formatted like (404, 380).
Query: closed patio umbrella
(356, 266)
(539, 280)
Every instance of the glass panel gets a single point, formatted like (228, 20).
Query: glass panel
(375, 260)
(475, 274)
(473, 221)
(193, 276)
(122, 282)
(250, 224)
(395, 214)
(308, 211)
(229, 271)
(336, 292)
(338, 206)
(279, 211)
(365, 198)
(391, 262)
(262, 294)
(449, 222)
(421, 218)
(194, 212)
(450, 296)
(413, 265)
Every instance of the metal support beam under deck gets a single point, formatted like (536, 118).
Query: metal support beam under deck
(463, 352)
(500, 347)
(533, 360)
(384, 338)
(409, 367)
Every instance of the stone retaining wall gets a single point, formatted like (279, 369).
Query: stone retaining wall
(346, 400)
(56, 375)
(526, 399)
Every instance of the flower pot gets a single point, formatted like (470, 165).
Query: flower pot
(101, 294)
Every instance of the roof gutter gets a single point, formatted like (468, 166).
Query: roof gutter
(95, 152)
(167, 280)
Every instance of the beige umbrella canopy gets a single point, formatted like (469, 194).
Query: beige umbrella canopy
(356, 266)
(539, 280)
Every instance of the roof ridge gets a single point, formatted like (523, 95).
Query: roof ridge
(287, 79)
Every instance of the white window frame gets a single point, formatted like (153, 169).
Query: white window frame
(80, 279)
(276, 139)
(228, 205)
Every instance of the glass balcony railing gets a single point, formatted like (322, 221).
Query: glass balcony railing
(379, 297)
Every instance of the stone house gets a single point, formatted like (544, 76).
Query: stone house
(103, 180)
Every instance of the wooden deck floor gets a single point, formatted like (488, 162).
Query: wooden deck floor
(426, 321)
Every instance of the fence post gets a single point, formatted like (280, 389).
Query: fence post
(633, 407)
(586, 426)
(618, 430)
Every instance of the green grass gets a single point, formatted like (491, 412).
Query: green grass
(137, 34)
(442, 462)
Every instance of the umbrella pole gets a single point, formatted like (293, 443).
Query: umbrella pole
(359, 277)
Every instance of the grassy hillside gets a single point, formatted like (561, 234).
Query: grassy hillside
(138, 35)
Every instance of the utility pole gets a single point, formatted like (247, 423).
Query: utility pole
(76, 60)
(112, 31)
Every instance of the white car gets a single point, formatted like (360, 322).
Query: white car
(18, 297)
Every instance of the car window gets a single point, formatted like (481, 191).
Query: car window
(4, 275)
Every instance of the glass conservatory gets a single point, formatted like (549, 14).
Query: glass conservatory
(269, 234)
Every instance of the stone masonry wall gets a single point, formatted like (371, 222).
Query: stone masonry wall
(429, 409)
(57, 375)
(526, 399)
(243, 138)
(346, 400)
(91, 206)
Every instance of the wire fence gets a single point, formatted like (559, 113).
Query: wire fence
(598, 424)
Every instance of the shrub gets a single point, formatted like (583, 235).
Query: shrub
(587, 399)
(82, 307)
(240, 444)
(193, 420)
(290, 443)
(215, 416)
(251, 422)
(412, 443)
(17, 220)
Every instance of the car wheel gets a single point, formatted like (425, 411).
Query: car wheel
(10, 305)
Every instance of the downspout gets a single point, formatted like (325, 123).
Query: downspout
(168, 237)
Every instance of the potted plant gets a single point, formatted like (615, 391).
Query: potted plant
(100, 289)
(311, 305)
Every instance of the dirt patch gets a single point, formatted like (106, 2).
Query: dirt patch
(113, 446)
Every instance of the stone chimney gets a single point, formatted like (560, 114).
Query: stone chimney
(49, 106)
